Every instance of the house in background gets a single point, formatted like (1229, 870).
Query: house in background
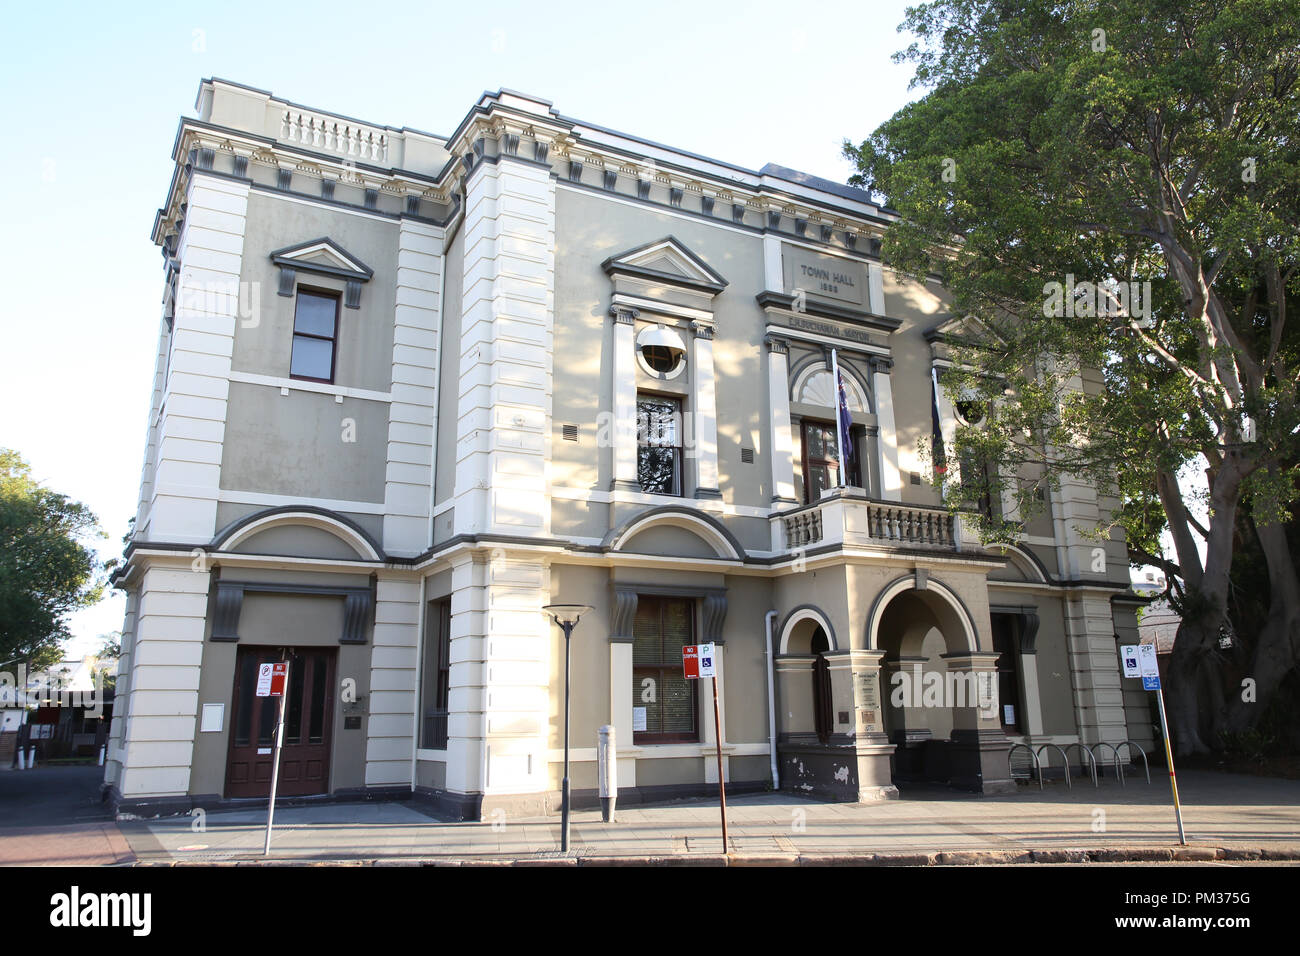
(412, 388)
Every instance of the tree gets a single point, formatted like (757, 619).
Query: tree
(1122, 143)
(46, 572)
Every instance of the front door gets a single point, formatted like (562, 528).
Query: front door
(308, 720)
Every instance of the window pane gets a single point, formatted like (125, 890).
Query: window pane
(293, 720)
(316, 731)
(312, 358)
(314, 314)
(657, 422)
(657, 470)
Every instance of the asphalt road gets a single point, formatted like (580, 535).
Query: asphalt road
(52, 796)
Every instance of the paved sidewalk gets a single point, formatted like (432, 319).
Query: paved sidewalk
(1230, 816)
(53, 816)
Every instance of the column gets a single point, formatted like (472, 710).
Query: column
(705, 409)
(187, 477)
(622, 695)
(166, 656)
(978, 746)
(623, 432)
(781, 443)
(891, 477)
(503, 428)
(393, 682)
(411, 441)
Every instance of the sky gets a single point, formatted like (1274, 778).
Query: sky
(91, 95)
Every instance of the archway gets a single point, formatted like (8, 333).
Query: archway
(938, 689)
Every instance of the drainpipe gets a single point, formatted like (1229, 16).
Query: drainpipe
(768, 621)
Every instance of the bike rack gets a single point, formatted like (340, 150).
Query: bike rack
(1132, 747)
(1065, 759)
(1115, 757)
(1037, 767)
(1092, 760)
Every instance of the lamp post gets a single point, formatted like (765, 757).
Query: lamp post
(566, 616)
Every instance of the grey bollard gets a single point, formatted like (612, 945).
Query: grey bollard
(31, 758)
(607, 772)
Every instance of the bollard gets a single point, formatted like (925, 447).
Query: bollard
(31, 758)
(607, 772)
(22, 760)
(102, 751)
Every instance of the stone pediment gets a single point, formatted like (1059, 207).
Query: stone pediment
(324, 256)
(666, 261)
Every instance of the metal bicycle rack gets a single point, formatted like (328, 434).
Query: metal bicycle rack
(1114, 755)
(1131, 747)
(1032, 756)
(1092, 760)
(1065, 759)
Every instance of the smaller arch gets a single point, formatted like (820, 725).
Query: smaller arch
(942, 591)
(347, 531)
(1029, 563)
(805, 612)
(703, 526)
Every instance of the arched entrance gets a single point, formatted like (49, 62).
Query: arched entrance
(939, 690)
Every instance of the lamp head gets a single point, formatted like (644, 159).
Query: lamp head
(567, 613)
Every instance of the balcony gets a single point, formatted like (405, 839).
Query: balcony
(847, 517)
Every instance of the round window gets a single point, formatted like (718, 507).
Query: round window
(971, 411)
(660, 358)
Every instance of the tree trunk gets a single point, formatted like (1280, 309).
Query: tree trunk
(1277, 647)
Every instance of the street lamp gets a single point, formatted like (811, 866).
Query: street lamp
(566, 616)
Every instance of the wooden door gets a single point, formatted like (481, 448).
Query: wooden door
(308, 725)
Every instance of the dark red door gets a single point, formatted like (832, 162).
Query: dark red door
(308, 720)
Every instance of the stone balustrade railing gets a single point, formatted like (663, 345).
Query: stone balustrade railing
(331, 134)
(845, 518)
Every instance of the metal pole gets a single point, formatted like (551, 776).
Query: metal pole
(564, 797)
(275, 763)
(1169, 759)
(722, 786)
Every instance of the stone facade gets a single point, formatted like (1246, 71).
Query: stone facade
(566, 365)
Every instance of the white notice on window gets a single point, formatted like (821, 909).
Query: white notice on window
(1008, 713)
(638, 718)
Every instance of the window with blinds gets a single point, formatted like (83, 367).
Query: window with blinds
(662, 627)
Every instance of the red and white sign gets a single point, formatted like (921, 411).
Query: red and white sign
(270, 679)
(697, 661)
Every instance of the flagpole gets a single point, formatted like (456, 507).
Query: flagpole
(839, 424)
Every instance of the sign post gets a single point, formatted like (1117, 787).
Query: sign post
(272, 678)
(697, 662)
(1140, 661)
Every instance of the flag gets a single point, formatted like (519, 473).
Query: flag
(846, 420)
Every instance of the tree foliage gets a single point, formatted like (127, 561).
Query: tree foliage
(1065, 156)
(46, 571)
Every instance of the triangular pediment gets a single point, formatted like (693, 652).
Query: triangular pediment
(322, 255)
(666, 260)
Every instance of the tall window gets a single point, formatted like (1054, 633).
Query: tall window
(821, 460)
(1006, 640)
(665, 703)
(435, 676)
(659, 444)
(821, 687)
(315, 329)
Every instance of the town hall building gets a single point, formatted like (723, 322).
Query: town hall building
(412, 388)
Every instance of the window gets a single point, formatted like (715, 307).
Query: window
(661, 628)
(659, 445)
(821, 675)
(1006, 638)
(435, 677)
(821, 460)
(315, 327)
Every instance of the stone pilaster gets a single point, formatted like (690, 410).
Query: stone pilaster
(891, 478)
(704, 405)
(781, 437)
(622, 433)
(393, 682)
